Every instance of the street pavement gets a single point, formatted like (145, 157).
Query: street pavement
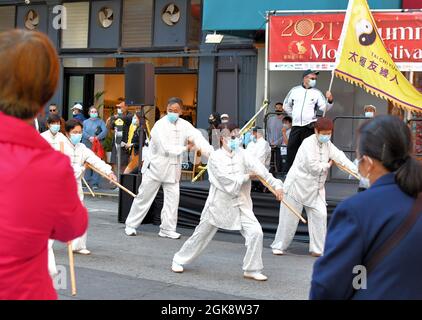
(122, 267)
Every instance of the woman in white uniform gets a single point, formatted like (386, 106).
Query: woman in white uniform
(229, 205)
(304, 187)
(56, 139)
(79, 154)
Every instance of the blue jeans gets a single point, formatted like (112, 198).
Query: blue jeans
(92, 177)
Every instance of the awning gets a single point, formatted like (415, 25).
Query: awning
(225, 15)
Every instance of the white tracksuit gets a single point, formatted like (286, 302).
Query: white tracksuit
(163, 168)
(229, 206)
(301, 104)
(304, 187)
(260, 149)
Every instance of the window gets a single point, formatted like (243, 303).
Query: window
(7, 18)
(137, 23)
(76, 34)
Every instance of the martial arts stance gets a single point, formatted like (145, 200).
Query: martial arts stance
(304, 187)
(170, 137)
(229, 205)
(56, 139)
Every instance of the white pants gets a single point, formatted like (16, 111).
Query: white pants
(79, 243)
(144, 199)
(204, 232)
(287, 225)
(52, 268)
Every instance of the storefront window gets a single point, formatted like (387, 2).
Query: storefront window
(76, 33)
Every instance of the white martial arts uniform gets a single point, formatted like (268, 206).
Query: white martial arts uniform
(261, 150)
(162, 167)
(79, 154)
(229, 206)
(55, 141)
(304, 187)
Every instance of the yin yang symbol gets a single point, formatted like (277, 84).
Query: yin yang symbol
(365, 32)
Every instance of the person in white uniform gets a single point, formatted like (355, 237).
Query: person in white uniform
(79, 154)
(56, 140)
(170, 138)
(229, 205)
(259, 147)
(304, 187)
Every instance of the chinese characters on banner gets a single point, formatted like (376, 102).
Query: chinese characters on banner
(299, 42)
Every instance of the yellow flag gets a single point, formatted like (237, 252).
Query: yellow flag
(363, 60)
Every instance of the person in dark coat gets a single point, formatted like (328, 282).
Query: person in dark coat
(361, 225)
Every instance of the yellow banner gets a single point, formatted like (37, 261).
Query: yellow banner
(363, 60)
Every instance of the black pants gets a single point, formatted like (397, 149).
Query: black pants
(276, 158)
(297, 135)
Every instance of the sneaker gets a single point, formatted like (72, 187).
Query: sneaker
(95, 187)
(130, 231)
(83, 251)
(316, 255)
(258, 276)
(169, 234)
(278, 252)
(177, 268)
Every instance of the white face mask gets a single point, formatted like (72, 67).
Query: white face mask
(312, 83)
(369, 114)
(364, 180)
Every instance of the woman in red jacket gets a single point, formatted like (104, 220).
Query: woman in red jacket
(38, 195)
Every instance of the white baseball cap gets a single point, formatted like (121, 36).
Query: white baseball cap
(77, 106)
(224, 115)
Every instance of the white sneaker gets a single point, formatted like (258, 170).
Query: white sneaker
(258, 276)
(175, 267)
(130, 231)
(169, 234)
(278, 252)
(83, 251)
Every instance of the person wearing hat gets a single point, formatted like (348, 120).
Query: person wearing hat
(369, 110)
(77, 111)
(225, 118)
(302, 103)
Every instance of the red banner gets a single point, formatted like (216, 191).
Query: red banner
(299, 42)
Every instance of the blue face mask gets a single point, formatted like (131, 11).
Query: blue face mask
(234, 144)
(324, 138)
(254, 139)
(54, 128)
(93, 115)
(75, 138)
(134, 121)
(172, 116)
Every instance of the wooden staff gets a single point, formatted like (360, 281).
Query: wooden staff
(89, 188)
(293, 210)
(112, 181)
(72, 268)
(343, 168)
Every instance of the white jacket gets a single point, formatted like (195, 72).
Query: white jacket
(230, 187)
(302, 104)
(261, 150)
(306, 178)
(54, 140)
(167, 144)
(79, 154)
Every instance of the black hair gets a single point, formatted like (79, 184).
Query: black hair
(174, 100)
(387, 139)
(53, 118)
(71, 124)
(288, 118)
(278, 103)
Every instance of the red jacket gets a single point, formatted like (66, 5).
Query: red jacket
(38, 201)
